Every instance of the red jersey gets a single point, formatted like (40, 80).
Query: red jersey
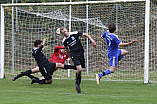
(58, 56)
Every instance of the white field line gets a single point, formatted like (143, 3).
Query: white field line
(85, 94)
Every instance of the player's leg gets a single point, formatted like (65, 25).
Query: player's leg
(42, 81)
(60, 65)
(121, 53)
(27, 72)
(46, 72)
(31, 76)
(79, 62)
(124, 52)
(82, 61)
(78, 73)
(35, 70)
(113, 61)
(78, 78)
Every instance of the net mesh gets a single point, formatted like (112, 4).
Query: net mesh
(153, 43)
(39, 22)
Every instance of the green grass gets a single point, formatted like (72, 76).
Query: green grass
(62, 92)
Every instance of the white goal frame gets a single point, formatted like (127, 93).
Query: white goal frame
(147, 14)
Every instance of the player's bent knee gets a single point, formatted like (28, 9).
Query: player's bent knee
(59, 65)
(112, 71)
(125, 52)
(35, 70)
(79, 69)
(112, 68)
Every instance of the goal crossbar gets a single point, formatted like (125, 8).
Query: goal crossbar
(70, 3)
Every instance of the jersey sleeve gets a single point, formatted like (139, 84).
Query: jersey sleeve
(80, 33)
(117, 40)
(38, 50)
(104, 34)
(57, 48)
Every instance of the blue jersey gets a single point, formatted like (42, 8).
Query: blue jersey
(112, 43)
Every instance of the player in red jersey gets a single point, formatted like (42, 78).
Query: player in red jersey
(59, 56)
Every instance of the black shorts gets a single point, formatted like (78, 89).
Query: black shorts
(79, 61)
(48, 70)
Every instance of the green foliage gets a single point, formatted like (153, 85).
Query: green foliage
(62, 92)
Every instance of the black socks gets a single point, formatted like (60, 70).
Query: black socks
(31, 76)
(78, 78)
(38, 81)
(27, 72)
(69, 67)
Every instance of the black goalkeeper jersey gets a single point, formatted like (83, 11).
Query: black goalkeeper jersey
(40, 57)
(74, 44)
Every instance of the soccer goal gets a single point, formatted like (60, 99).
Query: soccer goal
(22, 23)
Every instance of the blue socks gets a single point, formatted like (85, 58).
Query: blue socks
(120, 57)
(106, 72)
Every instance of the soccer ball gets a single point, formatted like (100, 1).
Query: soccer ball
(58, 31)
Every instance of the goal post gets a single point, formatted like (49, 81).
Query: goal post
(2, 44)
(40, 20)
(146, 59)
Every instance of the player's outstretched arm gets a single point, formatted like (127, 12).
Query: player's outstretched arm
(44, 44)
(90, 38)
(126, 44)
(44, 41)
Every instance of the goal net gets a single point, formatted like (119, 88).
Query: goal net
(25, 23)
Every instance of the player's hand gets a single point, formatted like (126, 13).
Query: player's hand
(133, 41)
(44, 41)
(94, 44)
(70, 62)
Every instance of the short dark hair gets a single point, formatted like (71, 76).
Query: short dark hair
(111, 27)
(37, 42)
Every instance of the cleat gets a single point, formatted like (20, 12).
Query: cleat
(13, 79)
(33, 81)
(78, 89)
(97, 78)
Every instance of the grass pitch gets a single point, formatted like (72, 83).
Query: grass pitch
(62, 91)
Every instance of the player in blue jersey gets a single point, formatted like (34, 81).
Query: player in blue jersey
(114, 54)
(73, 45)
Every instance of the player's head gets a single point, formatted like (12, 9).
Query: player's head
(63, 51)
(112, 27)
(37, 42)
(64, 31)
